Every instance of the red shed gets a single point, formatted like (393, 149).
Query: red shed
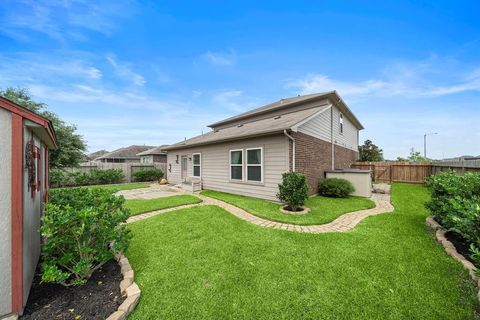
(25, 138)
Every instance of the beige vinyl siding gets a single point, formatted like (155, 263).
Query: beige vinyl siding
(319, 127)
(215, 166)
(349, 138)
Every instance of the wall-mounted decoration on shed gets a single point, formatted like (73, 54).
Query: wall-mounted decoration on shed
(30, 166)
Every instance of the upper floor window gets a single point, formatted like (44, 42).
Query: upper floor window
(341, 123)
(197, 163)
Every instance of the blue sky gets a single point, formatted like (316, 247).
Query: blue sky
(151, 72)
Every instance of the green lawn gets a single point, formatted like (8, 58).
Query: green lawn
(323, 209)
(205, 263)
(141, 206)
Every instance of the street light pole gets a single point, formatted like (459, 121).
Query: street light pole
(425, 143)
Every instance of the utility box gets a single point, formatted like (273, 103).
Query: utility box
(361, 180)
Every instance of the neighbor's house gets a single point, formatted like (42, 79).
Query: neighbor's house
(25, 138)
(94, 155)
(123, 155)
(247, 154)
(154, 155)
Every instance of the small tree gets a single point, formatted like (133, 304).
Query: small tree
(370, 152)
(415, 156)
(293, 190)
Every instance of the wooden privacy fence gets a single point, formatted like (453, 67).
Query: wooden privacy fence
(128, 168)
(388, 172)
(396, 171)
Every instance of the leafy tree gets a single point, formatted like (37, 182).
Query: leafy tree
(416, 156)
(71, 146)
(370, 152)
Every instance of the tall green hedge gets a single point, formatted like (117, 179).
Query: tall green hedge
(455, 204)
(62, 178)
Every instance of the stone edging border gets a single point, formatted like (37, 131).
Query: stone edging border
(128, 287)
(298, 213)
(452, 251)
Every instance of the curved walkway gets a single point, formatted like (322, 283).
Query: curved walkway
(345, 222)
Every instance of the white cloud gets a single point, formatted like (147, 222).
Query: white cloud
(23, 67)
(62, 20)
(432, 78)
(124, 71)
(235, 100)
(220, 58)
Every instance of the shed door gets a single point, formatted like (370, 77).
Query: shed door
(184, 168)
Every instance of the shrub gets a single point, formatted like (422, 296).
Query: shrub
(448, 190)
(455, 204)
(62, 178)
(335, 187)
(108, 176)
(293, 190)
(148, 175)
(82, 229)
(57, 177)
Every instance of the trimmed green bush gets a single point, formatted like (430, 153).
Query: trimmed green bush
(144, 175)
(455, 204)
(335, 187)
(61, 178)
(293, 191)
(82, 229)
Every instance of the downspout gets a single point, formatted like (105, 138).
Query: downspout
(332, 140)
(293, 148)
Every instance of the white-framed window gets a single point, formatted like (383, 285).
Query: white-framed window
(236, 165)
(341, 123)
(197, 164)
(254, 162)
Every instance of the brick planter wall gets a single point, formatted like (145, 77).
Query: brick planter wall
(313, 157)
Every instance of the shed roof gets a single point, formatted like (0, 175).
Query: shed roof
(153, 151)
(42, 126)
(129, 152)
(266, 126)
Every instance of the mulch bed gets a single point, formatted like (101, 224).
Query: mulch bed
(97, 299)
(461, 244)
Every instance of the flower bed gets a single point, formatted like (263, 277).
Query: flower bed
(97, 299)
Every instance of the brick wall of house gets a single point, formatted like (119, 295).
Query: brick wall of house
(313, 157)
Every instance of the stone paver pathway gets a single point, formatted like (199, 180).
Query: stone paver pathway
(155, 190)
(343, 223)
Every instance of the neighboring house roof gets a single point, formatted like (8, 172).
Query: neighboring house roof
(154, 151)
(260, 127)
(96, 154)
(43, 127)
(292, 101)
(125, 153)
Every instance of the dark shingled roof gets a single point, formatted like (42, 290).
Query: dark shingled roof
(289, 103)
(269, 119)
(156, 150)
(125, 153)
